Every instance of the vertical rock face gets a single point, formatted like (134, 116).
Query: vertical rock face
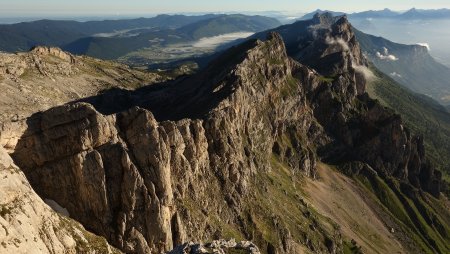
(28, 225)
(120, 174)
(81, 153)
(361, 129)
(130, 177)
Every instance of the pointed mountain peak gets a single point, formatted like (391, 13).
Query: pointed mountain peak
(275, 38)
(322, 18)
(413, 13)
(412, 10)
(267, 51)
(250, 66)
(236, 55)
(328, 19)
(342, 20)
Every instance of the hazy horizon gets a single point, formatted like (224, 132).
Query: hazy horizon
(9, 19)
(114, 8)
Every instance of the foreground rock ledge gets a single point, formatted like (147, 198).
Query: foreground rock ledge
(216, 247)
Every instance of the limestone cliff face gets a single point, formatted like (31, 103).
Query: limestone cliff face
(122, 175)
(28, 225)
(184, 160)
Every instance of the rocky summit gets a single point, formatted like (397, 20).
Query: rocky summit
(234, 152)
(46, 77)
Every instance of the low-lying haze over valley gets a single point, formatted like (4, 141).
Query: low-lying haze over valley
(178, 51)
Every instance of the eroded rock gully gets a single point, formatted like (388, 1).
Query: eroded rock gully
(139, 182)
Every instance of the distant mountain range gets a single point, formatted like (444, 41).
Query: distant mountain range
(410, 65)
(25, 35)
(425, 14)
(411, 14)
(115, 47)
(319, 11)
(385, 13)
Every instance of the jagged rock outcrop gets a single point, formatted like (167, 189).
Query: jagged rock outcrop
(46, 77)
(28, 225)
(361, 128)
(53, 51)
(186, 159)
(380, 139)
(48, 61)
(217, 246)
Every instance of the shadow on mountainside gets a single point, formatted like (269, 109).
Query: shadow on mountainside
(186, 97)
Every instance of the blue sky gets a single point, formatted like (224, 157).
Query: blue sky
(25, 8)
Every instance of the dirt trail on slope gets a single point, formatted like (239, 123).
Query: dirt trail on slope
(338, 197)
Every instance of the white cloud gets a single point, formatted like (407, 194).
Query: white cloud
(396, 75)
(366, 72)
(338, 41)
(215, 41)
(424, 44)
(386, 56)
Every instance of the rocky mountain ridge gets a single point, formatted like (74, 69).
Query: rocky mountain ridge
(329, 46)
(46, 77)
(223, 153)
(192, 148)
